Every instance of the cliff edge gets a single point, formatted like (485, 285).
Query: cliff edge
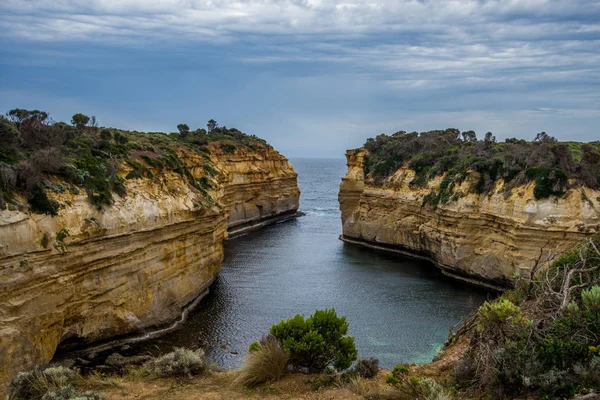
(88, 272)
(488, 238)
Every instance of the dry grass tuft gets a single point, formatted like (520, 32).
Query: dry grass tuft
(359, 387)
(264, 363)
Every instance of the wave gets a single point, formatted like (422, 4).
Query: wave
(324, 209)
(322, 212)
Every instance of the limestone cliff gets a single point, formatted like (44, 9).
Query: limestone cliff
(486, 238)
(89, 274)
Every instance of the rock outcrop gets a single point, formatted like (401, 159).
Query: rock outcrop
(487, 239)
(89, 274)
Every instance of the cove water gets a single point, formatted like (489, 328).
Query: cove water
(399, 309)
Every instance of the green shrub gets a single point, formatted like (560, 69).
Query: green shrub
(265, 362)
(254, 346)
(228, 148)
(40, 202)
(316, 342)
(415, 388)
(397, 375)
(548, 181)
(496, 315)
(591, 298)
(179, 363)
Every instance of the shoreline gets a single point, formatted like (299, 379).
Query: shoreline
(160, 330)
(398, 250)
(251, 226)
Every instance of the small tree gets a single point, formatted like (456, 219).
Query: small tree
(183, 129)
(469, 136)
(544, 137)
(212, 125)
(317, 342)
(80, 121)
(489, 140)
(19, 115)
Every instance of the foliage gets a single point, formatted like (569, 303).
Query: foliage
(228, 148)
(254, 346)
(397, 375)
(316, 342)
(179, 363)
(40, 202)
(54, 383)
(80, 121)
(365, 368)
(591, 299)
(265, 361)
(548, 181)
(548, 344)
(212, 125)
(9, 135)
(458, 156)
(410, 387)
(35, 151)
(183, 129)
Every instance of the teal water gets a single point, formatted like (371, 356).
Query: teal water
(399, 309)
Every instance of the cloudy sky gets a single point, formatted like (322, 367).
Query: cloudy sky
(313, 77)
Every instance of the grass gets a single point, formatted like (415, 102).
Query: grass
(266, 362)
(54, 383)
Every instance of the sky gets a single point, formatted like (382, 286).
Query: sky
(312, 77)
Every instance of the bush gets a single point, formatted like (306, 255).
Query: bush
(179, 363)
(415, 388)
(93, 157)
(228, 148)
(591, 298)
(265, 361)
(398, 374)
(366, 368)
(54, 383)
(555, 352)
(448, 153)
(498, 316)
(41, 203)
(316, 342)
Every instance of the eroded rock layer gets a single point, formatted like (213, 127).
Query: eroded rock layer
(90, 274)
(484, 238)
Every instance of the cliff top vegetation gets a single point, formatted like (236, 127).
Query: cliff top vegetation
(85, 156)
(554, 166)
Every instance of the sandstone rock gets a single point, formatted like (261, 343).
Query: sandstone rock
(132, 265)
(483, 238)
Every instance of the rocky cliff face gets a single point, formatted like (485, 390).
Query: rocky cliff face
(483, 238)
(87, 274)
